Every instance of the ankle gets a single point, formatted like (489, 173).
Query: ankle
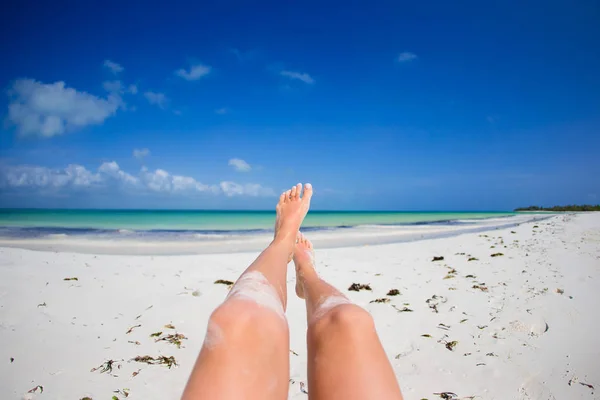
(306, 271)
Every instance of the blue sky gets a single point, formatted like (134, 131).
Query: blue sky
(380, 105)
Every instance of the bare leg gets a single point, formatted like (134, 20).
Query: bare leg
(246, 350)
(345, 358)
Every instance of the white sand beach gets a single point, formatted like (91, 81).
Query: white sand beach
(519, 325)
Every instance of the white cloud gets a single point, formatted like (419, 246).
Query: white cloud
(222, 111)
(406, 56)
(239, 165)
(110, 174)
(231, 189)
(113, 86)
(27, 176)
(140, 154)
(113, 170)
(196, 72)
(301, 76)
(157, 99)
(113, 66)
(117, 87)
(46, 110)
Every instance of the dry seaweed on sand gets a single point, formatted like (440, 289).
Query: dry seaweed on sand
(473, 259)
(450, 345)
(169, 326)
(35, 389)
(134, 342)
(559, 291)
(224, 282)
(403, 309)
(160, 360)
(437, 258)
(174, 338)
(434, 301)
(71, 279)
(447, 395)
(381, 300)
(42, 304)
(136, 373)
(393, 292)
(86, 398)
(357, 287)
(132, 328)
(480, 287)
(497, 255)
(426, 335)
(122, 392)
(155, 334)
(105, 367)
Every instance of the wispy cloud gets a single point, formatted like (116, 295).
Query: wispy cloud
(113, 66)
(157, 99)
(117, 87)
(46, 110)
(140, 154)
(406, 56)
(249, 189)
(239, 165)
(301, 76)
(241, 55)
(195, 72)
(110, 175)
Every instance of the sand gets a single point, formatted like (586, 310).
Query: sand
(521, 325)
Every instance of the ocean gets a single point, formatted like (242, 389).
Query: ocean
(176, 232)
(211, 222)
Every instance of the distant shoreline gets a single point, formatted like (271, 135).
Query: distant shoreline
(128, 242)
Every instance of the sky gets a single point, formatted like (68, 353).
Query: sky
(381, 105)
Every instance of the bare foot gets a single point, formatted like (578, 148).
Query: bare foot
(291, 210)
(304, 260)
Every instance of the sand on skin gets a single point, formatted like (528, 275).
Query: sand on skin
(519, 339)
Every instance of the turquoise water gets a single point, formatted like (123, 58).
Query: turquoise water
(213, 221)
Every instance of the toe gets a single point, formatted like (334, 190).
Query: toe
(282, 198)
(293, 194)
(297, 191)
(309, 244)
(308, 192)
(287, 196)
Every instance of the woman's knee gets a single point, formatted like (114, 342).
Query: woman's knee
(344, 318)
(244, 317)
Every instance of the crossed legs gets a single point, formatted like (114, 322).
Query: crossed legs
(245, 354)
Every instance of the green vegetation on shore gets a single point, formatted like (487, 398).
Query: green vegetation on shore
(584, 207)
